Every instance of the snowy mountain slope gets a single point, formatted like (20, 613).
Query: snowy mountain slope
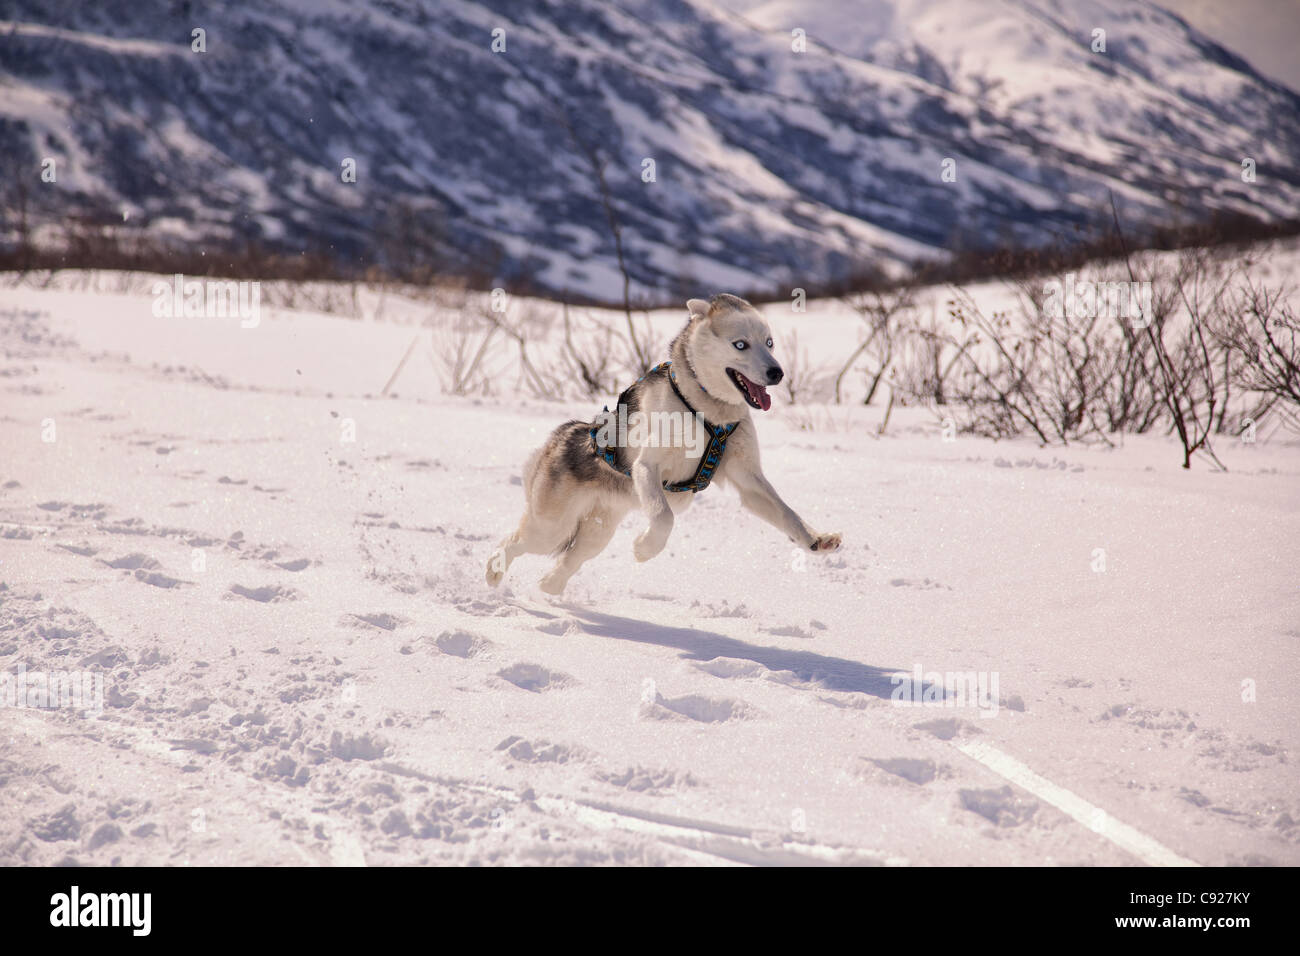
(773, 168)
(303, 664)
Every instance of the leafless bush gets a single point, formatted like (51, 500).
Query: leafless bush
(1129, 400)
(527, 324)
(1262, 331)
(1037, 372)
(1193, 369)
(1205, 333)
(591, 363)
(459, 351)
(802, 378)
(886, 315)
(639, 351)
(930, 353)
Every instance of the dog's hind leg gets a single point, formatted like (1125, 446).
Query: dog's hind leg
(592, 535)
(533, 536)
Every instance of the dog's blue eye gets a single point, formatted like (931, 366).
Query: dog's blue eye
(739, 344)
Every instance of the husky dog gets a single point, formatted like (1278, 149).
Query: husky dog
(580, 484)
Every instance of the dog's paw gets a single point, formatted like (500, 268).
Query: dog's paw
(825, 542)
(496, 569)
(553, 583)
(647, 545)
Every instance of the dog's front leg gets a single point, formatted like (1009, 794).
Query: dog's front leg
(650, 491)
(758, 495)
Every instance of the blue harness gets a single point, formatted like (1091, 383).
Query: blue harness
(709, 461)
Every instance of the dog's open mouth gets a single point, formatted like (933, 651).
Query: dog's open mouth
(755, 394)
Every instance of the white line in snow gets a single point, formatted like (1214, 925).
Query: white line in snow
(734, 844)
(1097, 820)
(701, 838)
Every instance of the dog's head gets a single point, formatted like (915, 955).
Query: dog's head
(729, 346)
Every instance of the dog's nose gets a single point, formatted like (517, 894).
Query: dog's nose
(774, 375)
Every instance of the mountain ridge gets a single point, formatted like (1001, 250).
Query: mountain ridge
(771, 168)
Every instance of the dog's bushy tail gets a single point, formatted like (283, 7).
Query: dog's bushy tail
(568, 542)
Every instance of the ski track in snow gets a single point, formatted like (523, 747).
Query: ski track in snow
(301, 663)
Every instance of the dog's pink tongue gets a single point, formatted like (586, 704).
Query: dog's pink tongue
(758, 393)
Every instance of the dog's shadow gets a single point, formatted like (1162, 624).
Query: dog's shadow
(826, 673)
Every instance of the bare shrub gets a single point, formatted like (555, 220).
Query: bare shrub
(523, 325)
(590, 364)
(459, 351)
(1037, 372)
(929, 354)
(1262, 331)
(1080, 374)
(802, 379)
(886, 315)
(1193, 369)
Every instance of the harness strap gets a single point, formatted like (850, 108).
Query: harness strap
(709, 460)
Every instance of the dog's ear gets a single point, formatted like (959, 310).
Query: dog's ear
(697, 307)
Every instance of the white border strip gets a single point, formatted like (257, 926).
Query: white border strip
(1097, 820)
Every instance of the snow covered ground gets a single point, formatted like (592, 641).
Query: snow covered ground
(301, 661)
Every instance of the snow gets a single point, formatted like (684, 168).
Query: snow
(93, 40)
(337, 685)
